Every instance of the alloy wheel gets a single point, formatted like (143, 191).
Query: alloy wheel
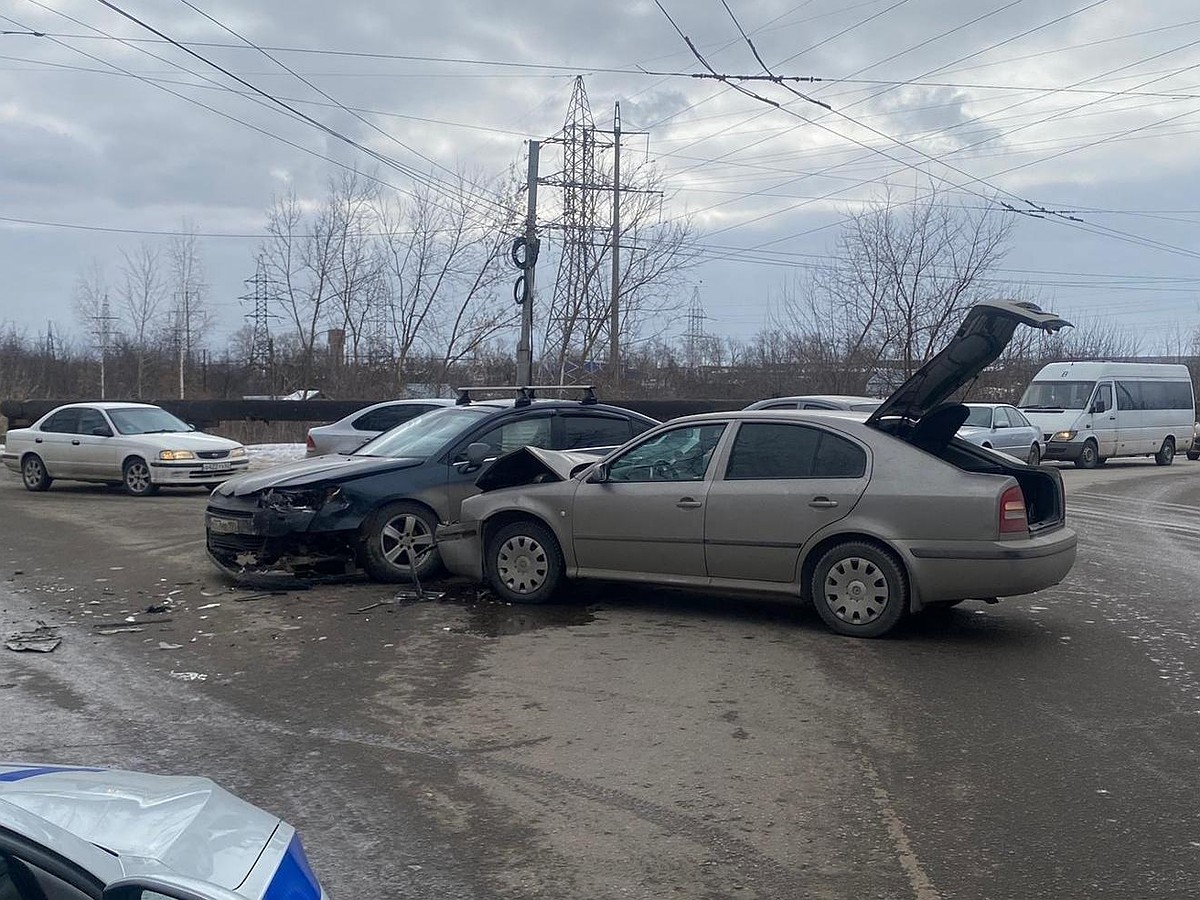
(33, 472)
(137, 477)
(405, 541)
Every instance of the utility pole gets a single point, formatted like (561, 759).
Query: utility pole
(102, 335)
(614, 322)
(184, 336)
(527, 263)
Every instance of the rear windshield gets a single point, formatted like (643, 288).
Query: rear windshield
(425, 435)
(1057, 395)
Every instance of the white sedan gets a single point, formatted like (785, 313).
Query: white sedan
(136, 445)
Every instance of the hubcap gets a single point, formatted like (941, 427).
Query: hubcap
(137, 477)
(405, 541)
(522, 564)
(856, 590)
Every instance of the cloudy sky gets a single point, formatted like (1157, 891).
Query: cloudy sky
(1088, 106)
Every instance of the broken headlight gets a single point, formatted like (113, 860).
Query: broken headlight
(286, 500)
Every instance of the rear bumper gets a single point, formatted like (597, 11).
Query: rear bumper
(957, 570)
(461, 549)
(1063, 450)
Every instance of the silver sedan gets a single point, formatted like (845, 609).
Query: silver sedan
(869, 517)
(348, 434)
(1003, 427)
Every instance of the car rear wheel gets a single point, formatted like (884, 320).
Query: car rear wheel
(524, 562)
(859, 590)
(1035, 456)
(135, 476)
(1193, 455)
(1166, 453)
(34, 474)
(1089, 457)
(397, 543)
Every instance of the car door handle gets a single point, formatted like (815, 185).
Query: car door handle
(75, 442)
(37, 440)
(822, 503)
(689, 503)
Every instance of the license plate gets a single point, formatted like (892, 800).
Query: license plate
(217, 467)
(218, 525)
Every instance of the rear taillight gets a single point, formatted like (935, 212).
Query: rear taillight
(309, 443)
(1013, 518)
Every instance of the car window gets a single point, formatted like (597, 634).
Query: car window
(424, 436)
(681, 454)
(1018, 420)
(1129, 395)
(791, 405)
(979, 417)
(62, 422)
(20, 880)
(388, 417)
(594, 431)
(866, 407)
(146, 420)
(1003, 420)
(811, 405)
(513, 435)
(1105, 394)
(762, 451)
(90, 419)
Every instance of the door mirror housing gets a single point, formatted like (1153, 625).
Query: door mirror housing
(1099, 406)
(478, 452)
(191, 427)
(599, 474)
(102, 431)
(1000, 423)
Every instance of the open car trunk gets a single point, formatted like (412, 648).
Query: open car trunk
(1045, 498)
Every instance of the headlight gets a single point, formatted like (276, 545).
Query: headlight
(1064, 435)
(300, 499)
(175, 455)
(237, 451)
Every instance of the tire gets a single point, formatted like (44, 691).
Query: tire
(1193, 455)
(859, 590)
(1035, 455)
(1090, 457)
(135, 478)
(34, 474)
(397, 542)
(1166, 453)
(524, 563)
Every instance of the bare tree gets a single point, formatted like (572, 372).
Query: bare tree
(143, 292)
(190, 314)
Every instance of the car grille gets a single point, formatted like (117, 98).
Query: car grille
(212, 454)
(236, 543)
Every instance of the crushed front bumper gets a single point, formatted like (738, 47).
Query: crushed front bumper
(461, 549)
(245, 540)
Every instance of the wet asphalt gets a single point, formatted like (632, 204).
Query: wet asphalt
(632, 742)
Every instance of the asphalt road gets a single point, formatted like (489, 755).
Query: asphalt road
(636, 743)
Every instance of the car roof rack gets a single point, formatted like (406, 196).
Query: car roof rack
(526, 394)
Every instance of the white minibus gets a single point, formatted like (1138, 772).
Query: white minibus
(1092, 411)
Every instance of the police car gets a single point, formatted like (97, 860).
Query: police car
(73, 833)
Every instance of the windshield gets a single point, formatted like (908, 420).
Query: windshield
(1057, 395)
(866, 407)
(150, 420)
(980, 417)
(425, 435)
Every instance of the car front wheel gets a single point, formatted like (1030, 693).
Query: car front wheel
(397, 543)
(859, 590)
(34, 474)
(135, 476)
(1035, 455)
(524, 563)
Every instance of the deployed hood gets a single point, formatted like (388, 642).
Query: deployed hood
(979, 341)
(189, 825)
(311, 471)
(531, 465)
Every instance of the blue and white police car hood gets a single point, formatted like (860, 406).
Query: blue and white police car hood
(157, 824)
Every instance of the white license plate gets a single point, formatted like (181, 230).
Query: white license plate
(218, 525)
(217, 467)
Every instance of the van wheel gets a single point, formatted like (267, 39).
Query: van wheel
(1166, 453)
(859, 590)
(1193, 455)
(1035, 456)
(1089, 458)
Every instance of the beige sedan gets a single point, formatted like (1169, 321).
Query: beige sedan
(870, 518)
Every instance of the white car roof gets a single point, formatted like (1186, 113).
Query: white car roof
(186, 825)
(106, 404)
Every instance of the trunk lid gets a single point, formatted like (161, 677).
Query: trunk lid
(979, 341)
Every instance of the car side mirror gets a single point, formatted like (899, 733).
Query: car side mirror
(1000, 425)
(478, 452)
(102, 431)
(599, 474)
(1099, 407)
(191, 427)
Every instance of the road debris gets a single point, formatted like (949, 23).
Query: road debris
(188, 676)
(133, 620)
(163, 645)
(208, 606)
(43, 639)
(120, 629)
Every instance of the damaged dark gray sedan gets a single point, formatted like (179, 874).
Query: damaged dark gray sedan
(868, 517)
(377, 508)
